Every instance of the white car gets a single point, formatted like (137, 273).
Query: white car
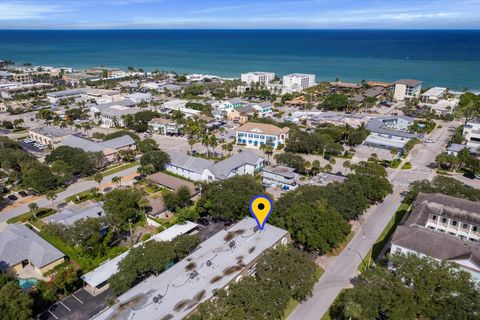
(429, 141)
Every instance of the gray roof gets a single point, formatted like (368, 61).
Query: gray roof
(18, 243)
(456, 147)
(222, 169)
(280, 170)
(194, 164)
(69, 216)
(124, 102)
(435, 244)
(66, 93)
(171, 87)
(445, 206)
(53, 132)
(409, 82)
(193, 280)
(377, 125)
(114, 112)
(373, 92)
(235, 101)
(118, 143)
(246, 109)
(84, 144)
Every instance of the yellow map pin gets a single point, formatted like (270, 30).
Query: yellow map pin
(260, 208)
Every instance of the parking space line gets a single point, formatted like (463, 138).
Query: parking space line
(63, 304)
(73, 295)
(53, 314)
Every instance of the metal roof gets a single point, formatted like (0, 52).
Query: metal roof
(18, 243)
(194, 164)
(69, 216)
(222, 169)
(118, 143)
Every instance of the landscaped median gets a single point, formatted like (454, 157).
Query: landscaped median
(382, 240)
(116, 169)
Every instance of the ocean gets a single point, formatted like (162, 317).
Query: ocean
(448, 58)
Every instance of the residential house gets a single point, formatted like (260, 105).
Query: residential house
(257, 77)
(189, 167)
(246, 162)
(26, 254)
(254, 135)
(68, 216)
(232, 104)
(471, 133)
(297, 82)
(433, 95)
(406, 89)
(263, 109)
(138, 97)
(113, 116)
(455, 148)
(280, 176)
(444, 228)
(172, 183)
(179, 105)
(164, 126)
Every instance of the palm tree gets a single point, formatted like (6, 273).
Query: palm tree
(328, 168)
(117, 181)
(206, 143)
(192, 142)
(51, 195)
(347, 165)
(98, 177)
(33, 207)
(393, 152)
(316, 166)
(307, 166)
(213, 143)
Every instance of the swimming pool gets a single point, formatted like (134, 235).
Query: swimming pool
(27, 283)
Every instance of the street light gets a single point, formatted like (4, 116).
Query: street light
(363, 261)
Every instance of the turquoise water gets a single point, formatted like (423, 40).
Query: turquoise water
(27, 283)
(443, 57)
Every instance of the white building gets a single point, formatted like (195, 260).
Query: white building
(297, 82)
(434, 95)
(113, 116)
(257, 77)
(406, 89)
(180, 105)
(55, 97)
(254, 135)
(280, 176)
(471, 133)
(263, 109)
(444, 228)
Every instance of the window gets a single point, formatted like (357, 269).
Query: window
(434, 218)
(454, 223)
(465, 226)
(398, 251)
(444, 220)
(451, 233)
(475, 229)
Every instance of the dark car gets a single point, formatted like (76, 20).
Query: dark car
(23, 194)
(107, 189)
(203, 221)
(12, 197)
(469, 175)
(62, 205)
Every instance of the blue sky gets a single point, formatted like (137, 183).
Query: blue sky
(284, 14)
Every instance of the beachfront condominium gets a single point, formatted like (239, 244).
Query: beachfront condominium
(297, 82)
(406, 89)
(257, 77)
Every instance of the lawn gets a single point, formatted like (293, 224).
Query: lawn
(27, 216)
(119, 168)
(83, 196)
(382, 240)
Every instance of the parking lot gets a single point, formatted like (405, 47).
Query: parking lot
(80, 305)
(33, 147)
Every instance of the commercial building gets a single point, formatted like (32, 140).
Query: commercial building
(471, 133)
(406, 89)
(113, 115)
(389, 132)
(280, 176)
(50, 136)
(179, 105)
(297, 82)
(263, 109)
(97, 280)
(226, 257)
(55, 97)
(25, 253)
(254, 135)
(455, 148)
(444, 228)
(257, 77)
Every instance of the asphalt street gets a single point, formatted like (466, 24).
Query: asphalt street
(343, 268)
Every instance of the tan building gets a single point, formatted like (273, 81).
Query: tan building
(50, 136)
(26, 254)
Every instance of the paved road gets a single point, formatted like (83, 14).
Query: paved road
(75, 188)
(343, 268)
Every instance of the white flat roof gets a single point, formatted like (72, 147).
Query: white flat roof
(176, 292)
(391, 142)
(434, 92)
(110, 267)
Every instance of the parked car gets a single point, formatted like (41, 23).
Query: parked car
(12, 197)
(23, 194)
(203, 221)
(429, 141)
(469, 175)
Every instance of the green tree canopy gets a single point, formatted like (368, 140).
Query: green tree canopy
(157, 158)
(120, 205)
(14, 303)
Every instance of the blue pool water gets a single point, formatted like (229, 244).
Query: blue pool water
(439, 57)
(27, 283)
